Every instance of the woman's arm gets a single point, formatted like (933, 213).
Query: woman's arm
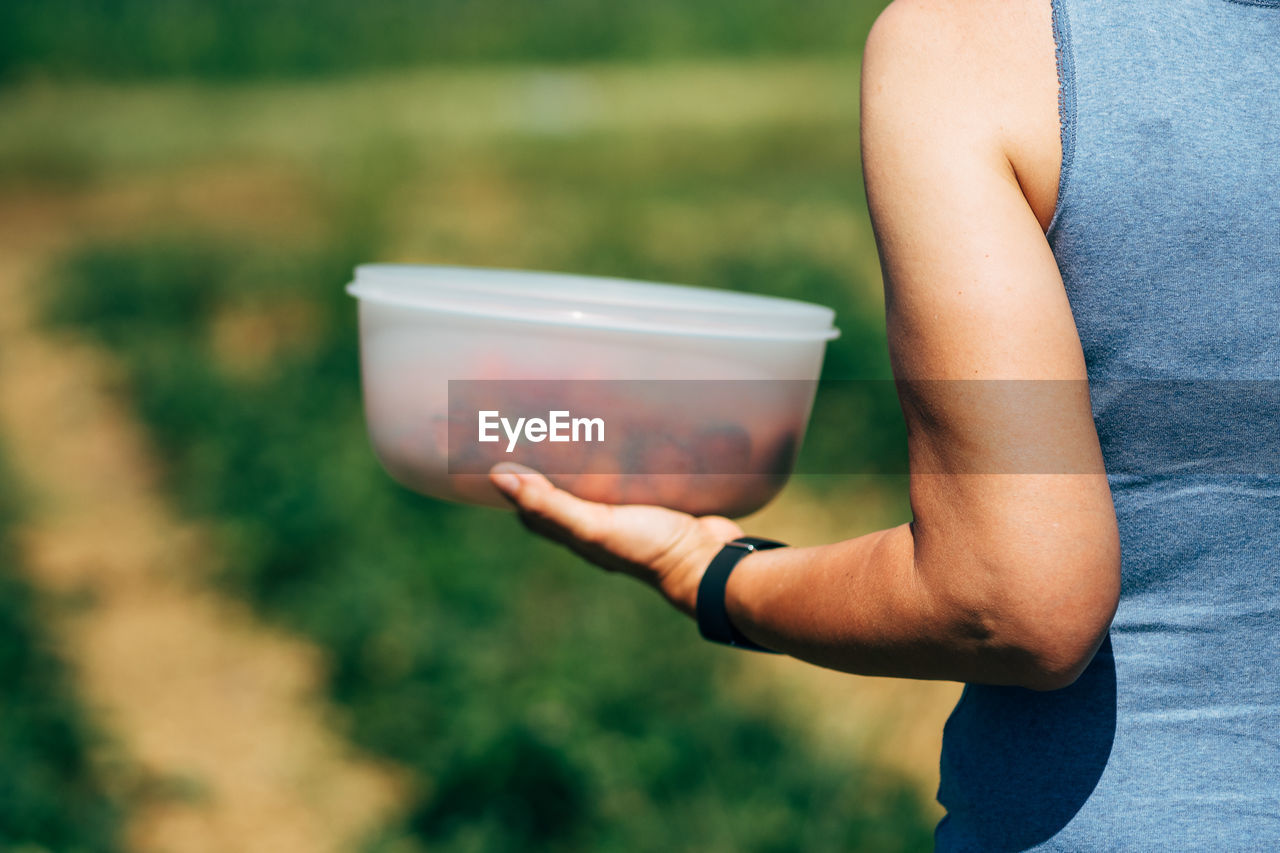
(1008, 574)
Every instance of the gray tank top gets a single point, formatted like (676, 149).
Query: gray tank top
(1167, 233)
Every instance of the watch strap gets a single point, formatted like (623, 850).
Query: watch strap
(713, 617)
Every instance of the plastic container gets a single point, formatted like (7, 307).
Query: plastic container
(705, 394)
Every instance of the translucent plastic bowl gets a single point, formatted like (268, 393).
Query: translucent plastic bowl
(705, 393)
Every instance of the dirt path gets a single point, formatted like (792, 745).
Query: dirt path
(200, 696)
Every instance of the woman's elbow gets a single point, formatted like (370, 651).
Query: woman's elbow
(1058, 627)
(1058, 666)
(1037, 623)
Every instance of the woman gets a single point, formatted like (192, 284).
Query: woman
(1084, 192)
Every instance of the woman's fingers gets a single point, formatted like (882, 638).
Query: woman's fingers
(662, 547)
(550, 511)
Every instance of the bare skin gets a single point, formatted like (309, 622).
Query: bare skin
(1001, 578)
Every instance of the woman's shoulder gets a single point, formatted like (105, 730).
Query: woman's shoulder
(964, 69)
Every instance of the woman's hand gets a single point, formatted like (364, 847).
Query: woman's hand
(666, 549)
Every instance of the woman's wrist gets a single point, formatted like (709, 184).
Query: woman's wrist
(679, 583)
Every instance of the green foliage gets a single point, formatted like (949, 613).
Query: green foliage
(236, 39)
(50, 794)
(543, 705)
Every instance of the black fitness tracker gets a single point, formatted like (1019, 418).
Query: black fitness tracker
(713, 619)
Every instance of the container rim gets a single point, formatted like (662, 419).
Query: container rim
(589, 322)
(705, 312)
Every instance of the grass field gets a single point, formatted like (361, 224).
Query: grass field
(536, 703)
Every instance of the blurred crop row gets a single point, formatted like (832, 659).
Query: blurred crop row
(235, 39)
(52, 794)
